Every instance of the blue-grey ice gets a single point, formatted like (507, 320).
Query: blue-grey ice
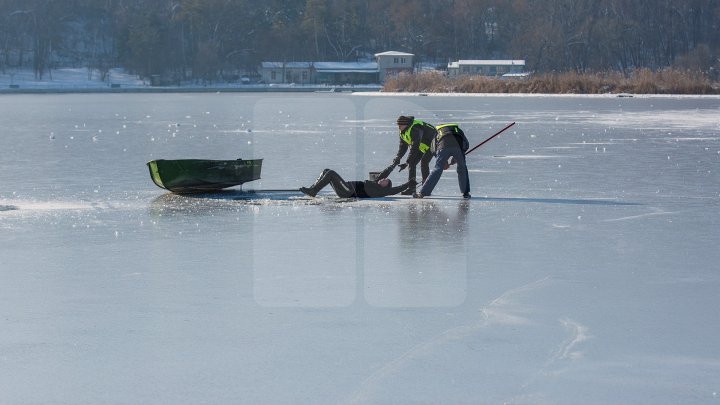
(583, 270)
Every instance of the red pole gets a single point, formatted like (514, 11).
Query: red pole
(447, 165)
(485, 141)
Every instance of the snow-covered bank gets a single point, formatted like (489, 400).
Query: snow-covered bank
(80, 80)
(68, 78)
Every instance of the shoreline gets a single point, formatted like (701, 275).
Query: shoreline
(122, 90)
(357, 90)
(642, 83)
(540, 95)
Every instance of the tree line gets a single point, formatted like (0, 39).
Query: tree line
(216, 39)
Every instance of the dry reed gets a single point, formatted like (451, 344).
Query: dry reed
(638, 81)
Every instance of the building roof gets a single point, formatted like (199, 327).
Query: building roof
(327, 67)
(286, 65)
(394, 53)
(346, 67)
(487, 62)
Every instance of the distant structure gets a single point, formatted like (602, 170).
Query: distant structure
(286, 72)
(346, 72)
(504, 68)
(337, 73)
(392, 63)
(332, 73)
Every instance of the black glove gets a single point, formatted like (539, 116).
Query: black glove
(402, 166)
(383, 174)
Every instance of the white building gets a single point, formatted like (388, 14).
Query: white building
(507, 68)
(319, 72)
(392, 63)
(346, 72)
(386, 64)
(286, 72)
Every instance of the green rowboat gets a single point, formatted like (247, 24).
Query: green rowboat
(200, 175)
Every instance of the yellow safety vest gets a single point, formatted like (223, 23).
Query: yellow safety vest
(405, 136)
(440, 133)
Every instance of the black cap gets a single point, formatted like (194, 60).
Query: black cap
(403, 120)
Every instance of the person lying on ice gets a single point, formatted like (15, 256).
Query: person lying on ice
(356, 189)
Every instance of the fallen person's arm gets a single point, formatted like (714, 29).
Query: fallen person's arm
(374, 190)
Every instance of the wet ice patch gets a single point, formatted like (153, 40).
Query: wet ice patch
(687, 138)
(266, 201)
(50, 206)
(677, 119)
(481, 171)
(655, 212)
(530, 157)
(47, 206)
(229, 200)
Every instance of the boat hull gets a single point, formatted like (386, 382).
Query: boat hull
(200, 175)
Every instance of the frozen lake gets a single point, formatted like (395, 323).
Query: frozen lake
(583, 270)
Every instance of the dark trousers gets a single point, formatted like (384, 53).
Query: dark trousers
(342, 188)
(424, 167)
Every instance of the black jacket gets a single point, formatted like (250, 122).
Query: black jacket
(370, 189)
(450, 137)
(424, 133)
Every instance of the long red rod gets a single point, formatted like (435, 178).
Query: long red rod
(487, 140)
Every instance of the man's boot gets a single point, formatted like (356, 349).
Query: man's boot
(410, 190)
(308, 191)
(316, 187)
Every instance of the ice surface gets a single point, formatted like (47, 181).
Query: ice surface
(583, 270)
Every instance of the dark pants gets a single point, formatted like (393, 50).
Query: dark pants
(342, 188)
(443, 155)
(424, 167)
